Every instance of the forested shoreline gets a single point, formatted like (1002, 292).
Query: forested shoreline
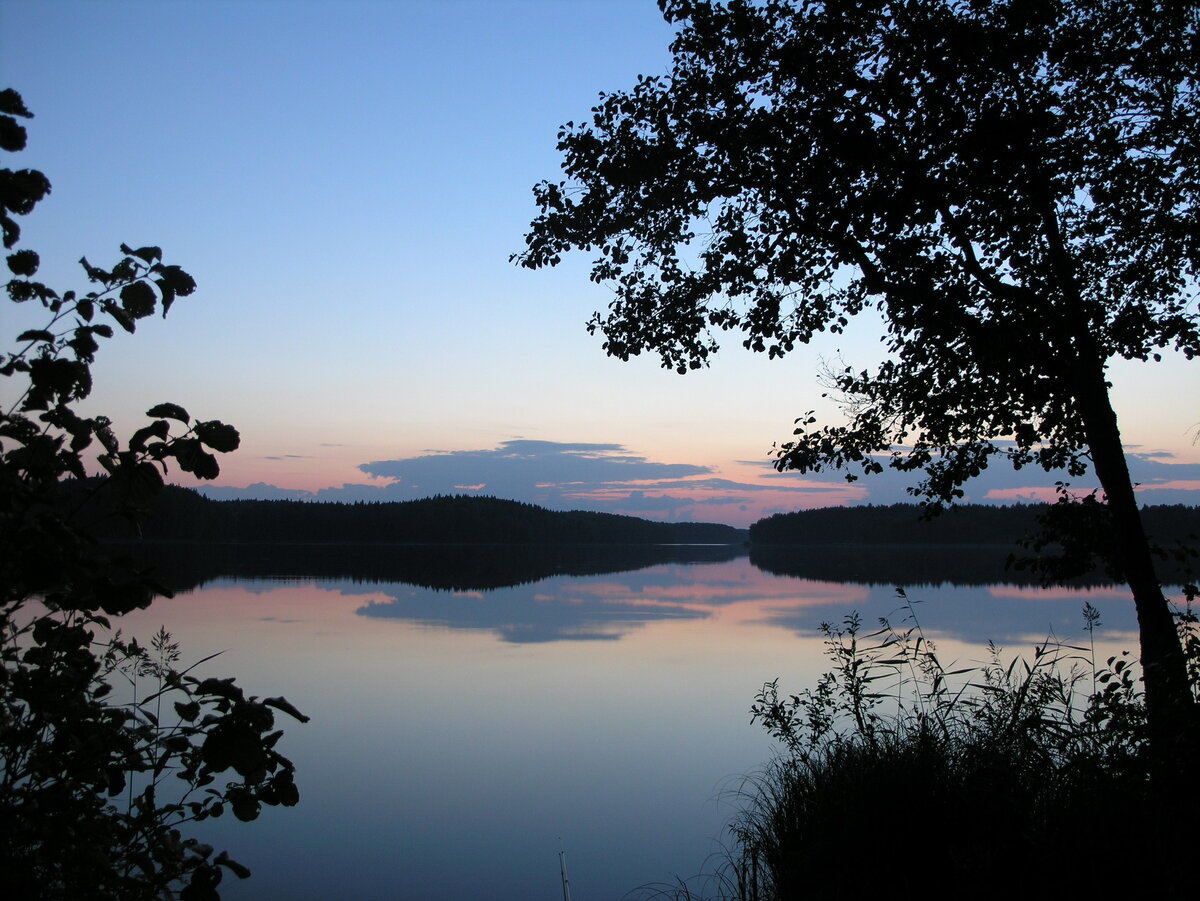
(183, 515)
(180, 514)
(965, 524)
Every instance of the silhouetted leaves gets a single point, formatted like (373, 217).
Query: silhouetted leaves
(138, 300)
(123, 318)
(1011, 185)
(148, 255)
(12, 134)
(160, 429)
(217, 435)
(71, 824)
(12, 104)
(170, 411)
(20, 191)
(996, 765)
(23, 262)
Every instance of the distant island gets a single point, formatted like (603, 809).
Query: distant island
(969, 545)
(965, 524)
(181, 514)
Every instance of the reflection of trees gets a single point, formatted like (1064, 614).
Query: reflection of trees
(443, 567)
(576, 598)
(896, 564)
(182, 566)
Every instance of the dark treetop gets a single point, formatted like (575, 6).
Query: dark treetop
(1013, 185)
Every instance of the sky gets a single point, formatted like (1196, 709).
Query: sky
(346, 181)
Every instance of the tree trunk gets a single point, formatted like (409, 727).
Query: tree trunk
(1170, 711)
(1171, 714)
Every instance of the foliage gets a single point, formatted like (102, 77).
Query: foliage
(1012, 185)
(1019, 773)
(95, 781)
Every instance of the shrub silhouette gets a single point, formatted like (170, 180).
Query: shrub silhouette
(107, 748)
(984, 781)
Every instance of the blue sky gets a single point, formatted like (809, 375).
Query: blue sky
(346, 181)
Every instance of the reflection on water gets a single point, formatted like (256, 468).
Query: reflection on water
(444, 566)
(465, 720)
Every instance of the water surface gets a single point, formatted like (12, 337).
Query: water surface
(462, 733)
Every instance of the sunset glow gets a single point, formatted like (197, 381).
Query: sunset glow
(346, 182)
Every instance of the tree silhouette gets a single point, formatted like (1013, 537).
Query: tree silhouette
(107, 748)
(1012, 185)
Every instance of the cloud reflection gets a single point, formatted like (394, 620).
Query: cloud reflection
(555, 612)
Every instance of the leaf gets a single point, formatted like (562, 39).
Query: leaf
(12, 134)
(192, 458)
(93, 273)
(239, 870)
(148, 255)
(23, 262)
(176, 744)
(49, 377)
(187, 712)
(138, 299)
(284, 790)
(83, 343)
(168, 294)
(36, 335)
(245, 806)
(12, 231)
(219, 436)
(157, 429)
(107, 438)
(222, 688)
(118, 314)
(182, 283)
(169, 411)
(286, 706)
(12, 104)
(23, 190)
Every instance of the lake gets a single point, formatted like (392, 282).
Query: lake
(476, 710)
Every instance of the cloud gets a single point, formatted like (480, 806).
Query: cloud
(565, 476)
(524, 466)
(555, 474)
(558, 611)
(610, 478)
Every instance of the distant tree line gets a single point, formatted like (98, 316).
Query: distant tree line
(1169, 525)
(180, 514)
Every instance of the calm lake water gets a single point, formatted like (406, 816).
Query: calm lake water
(479, 710)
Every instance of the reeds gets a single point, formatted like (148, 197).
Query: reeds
(902, 777)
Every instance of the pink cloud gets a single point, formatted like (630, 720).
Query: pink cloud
(1177, 484)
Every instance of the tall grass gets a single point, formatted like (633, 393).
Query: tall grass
(902, 778)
